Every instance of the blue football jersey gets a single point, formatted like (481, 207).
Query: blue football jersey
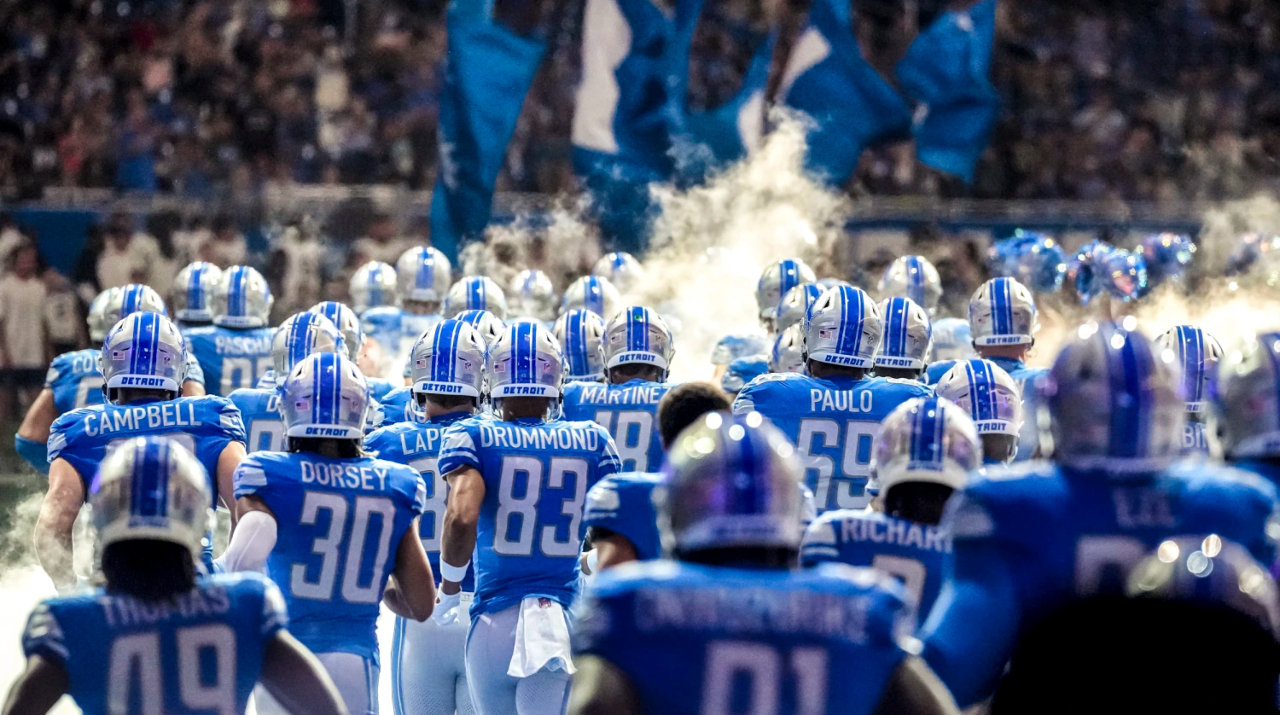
(742, 371)
(536, 476)
(339, 525)
(231, 359)
(267, 381)
(915, 554)
(200, 654)
(1031, 538)
(696, 639)
(75, 382)
(732, 347)
(399, 406)
(417, 444)
(260, 412)
(832, 423)
(623, 504)
(395, 331)
(1026, 377)
(628, 411)
(379, 388)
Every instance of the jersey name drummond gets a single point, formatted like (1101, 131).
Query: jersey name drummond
(840, 400)
(152, 416)
(583, 439)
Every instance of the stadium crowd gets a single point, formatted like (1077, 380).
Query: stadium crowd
(1100, 100)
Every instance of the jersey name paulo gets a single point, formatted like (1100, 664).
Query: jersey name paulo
(418, 446)
(832, 422)
(339, 522)
(75, 382)
(630, 413)
(695, 639)
(231, 359)
(260, 411)
(536, 476)
(915, 554)
(143, 656)
(1045, 535)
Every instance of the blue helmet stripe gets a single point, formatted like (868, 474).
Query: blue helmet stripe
(999, 311)
(638, 330)
(573, 340)
(1129, 398)
(129, 303)
(298, 343)
(195, 290)
(522, 353)
(915, 280)
(751, 493)
(426, 277)
(593, 296)
(236, 292)
(475, 294)
(852, 327)
(1191, 359)
(149, 487)
(445, 344)
(375, 287)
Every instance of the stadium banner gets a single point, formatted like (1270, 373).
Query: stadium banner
(850, 104)
(947, 70)
(488, 72)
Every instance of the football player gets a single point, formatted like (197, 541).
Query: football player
(833, 413)
(143, 361)
(924, 452)
(1003, 323)
(742, 371)
(192, 294)
(348, 323)
(526, 539)
(1032, 539)
(728, 626)
(775, 283)
(787, 354)
(912, 277)
(73, 380)
(235, 351)
(428, 666)
(133, 644)
(992, 400)
(1247, 402)
(422, 276)
(1198, 354)
(904, 343)
(337, 528)
(297, 337)
(637, 353)
(532, 295)
(593, 293)
(476, 293)
(581, 333)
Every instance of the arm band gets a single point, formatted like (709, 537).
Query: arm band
(451, 573)
(252, 542)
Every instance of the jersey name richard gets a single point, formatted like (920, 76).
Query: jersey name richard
(152, 416)
(899, 532)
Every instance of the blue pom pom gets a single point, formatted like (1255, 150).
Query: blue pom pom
(1167, 256)
(1033, 259)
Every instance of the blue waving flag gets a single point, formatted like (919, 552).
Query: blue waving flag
(703, 142)
(621, 134)
(488, 73)
(948, 70)
(851, 105)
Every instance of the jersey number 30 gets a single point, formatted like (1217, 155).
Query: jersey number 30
(330, 547)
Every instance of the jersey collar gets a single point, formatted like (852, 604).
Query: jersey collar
(449, 418)
(1008, 364)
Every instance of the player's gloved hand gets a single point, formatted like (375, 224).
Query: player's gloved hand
(446, 611)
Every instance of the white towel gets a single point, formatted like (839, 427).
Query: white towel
(542, 639)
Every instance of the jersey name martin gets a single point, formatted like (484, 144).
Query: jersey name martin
(568, 437)
(647, 394)
(152, 416)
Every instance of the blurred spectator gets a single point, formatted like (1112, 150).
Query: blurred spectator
(24, 352)
(10, 238)
(296, 267)
(129, 256)
(380, 243)
(224, 246)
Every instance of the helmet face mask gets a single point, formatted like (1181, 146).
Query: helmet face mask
(242, 300)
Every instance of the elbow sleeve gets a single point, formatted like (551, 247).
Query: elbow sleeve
(36, 453)
(251, 544)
